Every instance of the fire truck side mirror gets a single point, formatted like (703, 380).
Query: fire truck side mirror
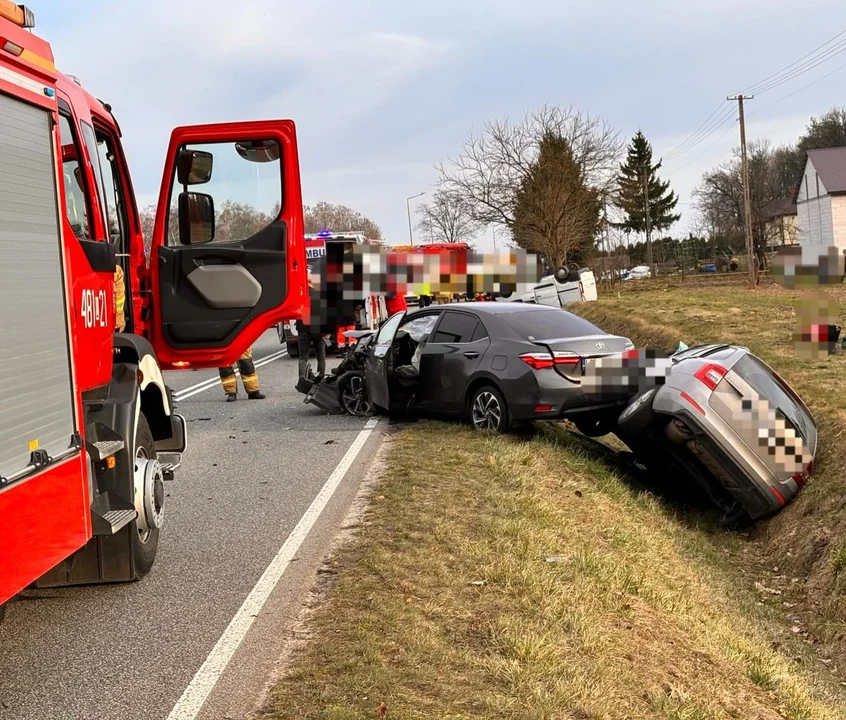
(194, 167)
(196, 218)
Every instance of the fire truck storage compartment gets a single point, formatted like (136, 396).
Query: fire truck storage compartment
(36, 401)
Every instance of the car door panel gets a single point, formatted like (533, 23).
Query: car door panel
(458, 365)
(446, 367)
(377, 365)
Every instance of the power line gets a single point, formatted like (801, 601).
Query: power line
(695, 132)
(834, 52)
(704, 152)
(717, 119)
(796, 92)
(756, 86)
(713, 127)
(707, 129)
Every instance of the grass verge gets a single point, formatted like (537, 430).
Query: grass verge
(500, 577)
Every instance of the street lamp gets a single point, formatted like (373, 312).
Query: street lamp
(408, 207)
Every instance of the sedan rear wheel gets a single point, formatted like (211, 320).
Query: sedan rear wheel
(488, 410)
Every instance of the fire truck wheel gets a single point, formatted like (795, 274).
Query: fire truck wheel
(149, 499)
(293, 349)
(2, 612)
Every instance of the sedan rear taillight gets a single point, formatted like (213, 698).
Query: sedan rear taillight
(710, 375)
(567, 358)
(538, 361)
(543, 361)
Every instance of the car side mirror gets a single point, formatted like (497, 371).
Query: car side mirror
(196, 218)
(194, 167)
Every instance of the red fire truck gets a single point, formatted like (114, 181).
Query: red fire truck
(88, 430)
(453, 261)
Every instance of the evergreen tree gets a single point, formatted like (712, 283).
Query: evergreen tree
(556, 212)
(630, 196)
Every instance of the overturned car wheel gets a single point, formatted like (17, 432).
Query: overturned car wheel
(353, 394)
(638, 415)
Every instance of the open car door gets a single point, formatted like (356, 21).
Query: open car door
(379, 361)
(227, 260)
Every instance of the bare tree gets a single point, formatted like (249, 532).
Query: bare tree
(147, 216)
(447, 219)
(719, 197)
(493, 165)
(339, 218)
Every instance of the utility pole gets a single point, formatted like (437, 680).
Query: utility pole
(747, 194)
(606, 241)
(648, 217)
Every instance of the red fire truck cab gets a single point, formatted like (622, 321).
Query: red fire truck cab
(88, 430)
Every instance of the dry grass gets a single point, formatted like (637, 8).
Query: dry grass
(807, 541)
(526, 578)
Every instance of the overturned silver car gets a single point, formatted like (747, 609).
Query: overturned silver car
(720, 415)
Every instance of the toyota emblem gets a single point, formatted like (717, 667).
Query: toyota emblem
(600, 346)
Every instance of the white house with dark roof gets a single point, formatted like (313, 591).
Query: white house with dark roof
(821, 199)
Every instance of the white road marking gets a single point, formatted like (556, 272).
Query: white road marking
(212, 382)
(198, 690)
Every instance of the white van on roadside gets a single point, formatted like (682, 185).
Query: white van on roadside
(560, 288)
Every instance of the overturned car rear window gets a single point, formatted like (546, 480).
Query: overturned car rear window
(549, 324)
(754, 372)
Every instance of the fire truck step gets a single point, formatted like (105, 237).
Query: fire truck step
(111, 513)
(106, 448)
(116, 519)
(170, 463)
(102, 442)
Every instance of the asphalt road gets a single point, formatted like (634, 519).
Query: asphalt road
(251, 471)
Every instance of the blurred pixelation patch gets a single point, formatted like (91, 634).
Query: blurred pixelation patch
(816, 333)
(629, 372)
(808, 266)
(755, 416)
(371, 270)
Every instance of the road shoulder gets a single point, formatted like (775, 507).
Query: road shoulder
(256, 664)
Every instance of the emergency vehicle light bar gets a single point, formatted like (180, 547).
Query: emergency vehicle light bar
(18, 14)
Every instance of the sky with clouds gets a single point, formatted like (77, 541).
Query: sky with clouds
(381, 90)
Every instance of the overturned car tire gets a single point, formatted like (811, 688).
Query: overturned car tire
(638, 415)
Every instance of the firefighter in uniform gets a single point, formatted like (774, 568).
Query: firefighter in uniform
(248, 377)
(120, 300)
